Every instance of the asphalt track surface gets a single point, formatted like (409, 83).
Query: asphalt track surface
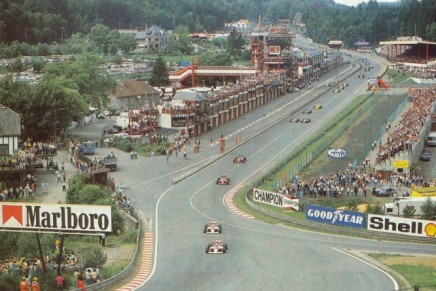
(261, 256)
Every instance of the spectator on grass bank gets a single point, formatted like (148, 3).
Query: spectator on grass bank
(80, 283)
(24, 285)
(60, 282)
(35, 284)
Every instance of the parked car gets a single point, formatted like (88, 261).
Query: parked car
(384, 191)
(317, 106)
(307, 111)
(305, 120)
(425, 155)
(39, 163)
(294, 120)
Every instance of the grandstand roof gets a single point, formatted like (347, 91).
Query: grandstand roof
(406, 42)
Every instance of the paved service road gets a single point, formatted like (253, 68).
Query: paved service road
(260, 256)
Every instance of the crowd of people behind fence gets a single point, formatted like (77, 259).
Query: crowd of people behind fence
(408, 128)
(25, 158)
(353, 181)
(31, 267)
(416, 72)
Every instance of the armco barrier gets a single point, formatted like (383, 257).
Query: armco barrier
(356, 232)
(105, 284)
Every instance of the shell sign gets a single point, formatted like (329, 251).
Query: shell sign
(400, 225)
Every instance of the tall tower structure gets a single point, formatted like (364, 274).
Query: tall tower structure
(271, 48)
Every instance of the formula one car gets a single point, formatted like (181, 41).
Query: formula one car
(305, 120)
(223, 180)
(317, 106)
(294, 120)
(213, 227)
(307, 111)
(240, 159)
(216, 247)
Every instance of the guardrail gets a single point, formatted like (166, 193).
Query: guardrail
(110, 282)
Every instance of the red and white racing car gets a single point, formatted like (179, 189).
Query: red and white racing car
(213, 227)
(216, 247)
(240, 159)
(223, 180)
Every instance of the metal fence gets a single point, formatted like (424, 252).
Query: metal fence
(110, 282)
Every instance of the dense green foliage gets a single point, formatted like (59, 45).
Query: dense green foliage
(429, 209)
(90, 194)
(159, 74)
(49, 21)
(62, 95)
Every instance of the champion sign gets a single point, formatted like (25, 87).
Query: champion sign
(276, 199)
(335, 216)
(55, 218)
(400, 225)
(336, 153)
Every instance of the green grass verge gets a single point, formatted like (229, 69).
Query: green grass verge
(418, 271)
(399, 78)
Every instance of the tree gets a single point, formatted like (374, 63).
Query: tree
(428, 209)
(87, 71)
(98, 38)
(180, 41)
(234, 43)
(127, 43)
(159, 74)
(408, 211)
(220, 59)
(55, 103)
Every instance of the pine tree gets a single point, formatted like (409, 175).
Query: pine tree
(159, 74)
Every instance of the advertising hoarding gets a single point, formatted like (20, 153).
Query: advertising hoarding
(65, 218)
(401, 225)
(335, 216)
(275, 199)
(274, 50)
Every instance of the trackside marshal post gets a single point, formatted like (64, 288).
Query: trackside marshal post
(64, 218)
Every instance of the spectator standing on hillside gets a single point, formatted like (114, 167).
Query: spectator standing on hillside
(59, 282)
(81, 282)
(24, 285)
(35, 284)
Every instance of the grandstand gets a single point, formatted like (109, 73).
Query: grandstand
(411, 54)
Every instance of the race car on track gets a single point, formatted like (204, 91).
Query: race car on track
(305, 120)
(216, 247)
(307, 111)
(294, 120)
(213, 227)
(240, 159)
(317, 106)
(223, 180)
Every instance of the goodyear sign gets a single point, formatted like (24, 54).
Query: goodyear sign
(400, 225)
(335, 216)
(275, 199)
(401, 164)
(65, 218)
(424, 192)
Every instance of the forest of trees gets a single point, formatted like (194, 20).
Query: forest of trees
(50, 21)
